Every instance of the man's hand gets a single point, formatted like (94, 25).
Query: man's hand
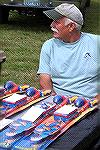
(98, 98)
(53, 93)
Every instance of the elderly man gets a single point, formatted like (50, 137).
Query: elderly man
(69, 62)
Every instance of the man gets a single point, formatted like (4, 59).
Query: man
(69, 62)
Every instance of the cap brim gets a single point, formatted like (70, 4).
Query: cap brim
(53, 14)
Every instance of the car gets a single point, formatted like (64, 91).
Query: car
(35, 7)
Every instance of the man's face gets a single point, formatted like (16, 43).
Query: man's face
(59, 29)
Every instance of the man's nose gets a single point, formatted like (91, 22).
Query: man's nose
(52, 24)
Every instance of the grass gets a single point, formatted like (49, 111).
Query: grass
(92, 23)
(22, 42)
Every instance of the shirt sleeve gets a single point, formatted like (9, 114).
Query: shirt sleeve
(44, 64)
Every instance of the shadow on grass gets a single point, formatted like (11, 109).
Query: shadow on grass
(41, 23)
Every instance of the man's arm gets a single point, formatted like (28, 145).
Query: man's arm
(46, 82)
(98, 97)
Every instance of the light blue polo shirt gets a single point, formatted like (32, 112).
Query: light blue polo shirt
(74, 67)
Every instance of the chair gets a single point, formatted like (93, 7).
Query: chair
(2, 59)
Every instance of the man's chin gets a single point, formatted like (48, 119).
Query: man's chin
(55, 35)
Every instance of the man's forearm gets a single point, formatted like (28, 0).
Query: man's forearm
(46, 83)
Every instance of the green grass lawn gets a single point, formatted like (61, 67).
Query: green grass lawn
(22, 43)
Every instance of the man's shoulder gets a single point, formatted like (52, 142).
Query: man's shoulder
(47, 45)
(49, 41)
(90, 35)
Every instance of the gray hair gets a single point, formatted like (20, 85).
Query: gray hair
(67, 21)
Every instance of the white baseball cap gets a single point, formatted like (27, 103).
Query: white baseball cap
(68, 10)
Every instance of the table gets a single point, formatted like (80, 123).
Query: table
(84, 135)
(31, 8)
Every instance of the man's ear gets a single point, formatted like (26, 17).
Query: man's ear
(72, 26)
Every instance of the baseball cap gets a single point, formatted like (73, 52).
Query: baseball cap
(68, 10)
